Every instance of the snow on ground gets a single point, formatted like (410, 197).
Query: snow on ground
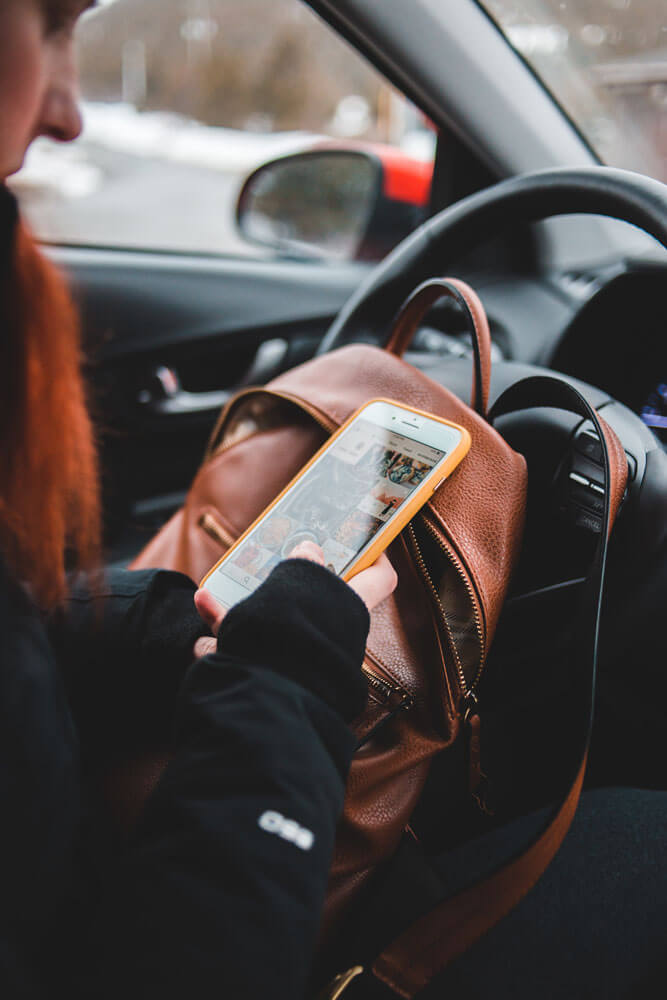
(72, 171)
(168, 136)
(60, 170)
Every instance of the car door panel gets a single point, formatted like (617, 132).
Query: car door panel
(167, 339)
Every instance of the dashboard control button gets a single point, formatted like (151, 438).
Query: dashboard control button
(589, 445)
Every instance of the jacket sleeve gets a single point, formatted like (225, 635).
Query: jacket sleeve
(123, 644)
(221, 891)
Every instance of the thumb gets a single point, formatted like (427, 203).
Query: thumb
(209, 610)
(308, 550)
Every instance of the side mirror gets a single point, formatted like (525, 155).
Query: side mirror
(338, 203)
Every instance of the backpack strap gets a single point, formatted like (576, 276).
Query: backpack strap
(426, 947)
(413, 310)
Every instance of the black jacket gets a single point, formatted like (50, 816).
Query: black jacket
(219, 890)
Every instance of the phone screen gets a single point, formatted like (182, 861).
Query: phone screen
(341, 502)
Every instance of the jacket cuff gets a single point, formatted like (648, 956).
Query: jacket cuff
(148, 613)
(306, 624)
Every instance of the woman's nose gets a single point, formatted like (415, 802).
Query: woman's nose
(61, 117)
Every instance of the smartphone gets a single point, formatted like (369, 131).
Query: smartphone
(352, 498)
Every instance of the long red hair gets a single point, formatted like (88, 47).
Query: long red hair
(49, 488)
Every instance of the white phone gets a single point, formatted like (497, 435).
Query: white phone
(352, 498)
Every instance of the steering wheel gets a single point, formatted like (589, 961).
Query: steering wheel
(533, 197)
(429, 251)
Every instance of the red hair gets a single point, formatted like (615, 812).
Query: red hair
(49, 491)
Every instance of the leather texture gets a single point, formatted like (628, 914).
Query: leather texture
(262, 439)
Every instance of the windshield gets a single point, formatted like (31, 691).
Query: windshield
(605, 61)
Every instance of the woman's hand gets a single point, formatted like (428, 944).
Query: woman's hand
(372, 585)
(212, 614)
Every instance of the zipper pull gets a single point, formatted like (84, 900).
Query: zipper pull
(477, 780)
(472, 720)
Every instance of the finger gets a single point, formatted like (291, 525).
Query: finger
(209, 610)
(204, 646)
(375, 584)
(308, 550)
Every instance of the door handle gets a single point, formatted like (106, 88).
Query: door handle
(169, 399)
(166, 397)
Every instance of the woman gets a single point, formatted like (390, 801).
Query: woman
(219, 891)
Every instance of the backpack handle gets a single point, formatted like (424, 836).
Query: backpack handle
(417, 305)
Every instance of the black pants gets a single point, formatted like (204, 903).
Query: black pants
(595, 925)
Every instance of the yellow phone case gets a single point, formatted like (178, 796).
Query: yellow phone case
(395, 524)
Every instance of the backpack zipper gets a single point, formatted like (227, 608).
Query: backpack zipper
(384, 690)
(215, 530)
(392, 699)
(470, 707)
(320, 418)
(467, 690)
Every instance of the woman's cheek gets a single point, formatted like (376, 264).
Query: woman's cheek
(22, 74)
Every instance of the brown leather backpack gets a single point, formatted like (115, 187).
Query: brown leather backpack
(428, 643)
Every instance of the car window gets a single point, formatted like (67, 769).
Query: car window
(183, 99)
(606, 63)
